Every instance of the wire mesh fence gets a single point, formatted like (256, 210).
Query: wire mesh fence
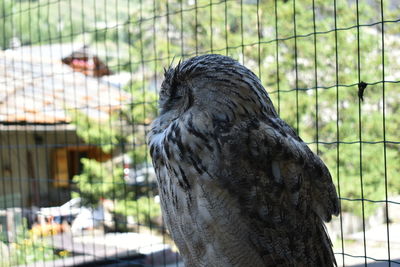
(79, 83)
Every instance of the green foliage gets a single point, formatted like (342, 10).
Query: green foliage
(42, 22)
(105, 181)
(143, 108)
(110, 134)
(99, 180)
(144, 210)
(101, 133)
(28, 248)
(6, 32)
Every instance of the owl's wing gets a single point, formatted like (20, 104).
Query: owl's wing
(289, 162)
(252, 188)
(282, 189)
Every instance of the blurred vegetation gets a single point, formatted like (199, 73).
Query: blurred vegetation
(301, 74)
(145, 210)
(99, 180)
(106, 181)
(100, 133)
(27, 248)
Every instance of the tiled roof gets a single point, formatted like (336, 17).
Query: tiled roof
(38, 89)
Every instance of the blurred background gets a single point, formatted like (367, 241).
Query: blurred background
(79, 83)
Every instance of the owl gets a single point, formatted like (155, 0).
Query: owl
(238, 186)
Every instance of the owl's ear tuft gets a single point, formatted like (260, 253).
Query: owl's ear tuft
(178, 66)
(175, 76)
(169, 76)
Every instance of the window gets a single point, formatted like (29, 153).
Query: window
(67, 162)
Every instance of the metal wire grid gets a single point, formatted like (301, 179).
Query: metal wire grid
(173, 39)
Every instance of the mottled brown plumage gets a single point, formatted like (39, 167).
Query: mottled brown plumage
(238, 187)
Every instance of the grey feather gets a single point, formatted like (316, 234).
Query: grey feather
(238, 187)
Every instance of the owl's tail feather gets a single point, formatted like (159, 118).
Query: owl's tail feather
(326, 250)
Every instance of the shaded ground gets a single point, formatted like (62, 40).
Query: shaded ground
(111, 250)
(145, 249)
(379, 264)
(376, 247)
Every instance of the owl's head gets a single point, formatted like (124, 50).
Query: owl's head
(212, 84)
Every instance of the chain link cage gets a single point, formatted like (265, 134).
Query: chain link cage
(79, 82)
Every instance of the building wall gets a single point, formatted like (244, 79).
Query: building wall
(27, 167)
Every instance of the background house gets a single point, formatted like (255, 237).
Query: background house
(39, 95)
